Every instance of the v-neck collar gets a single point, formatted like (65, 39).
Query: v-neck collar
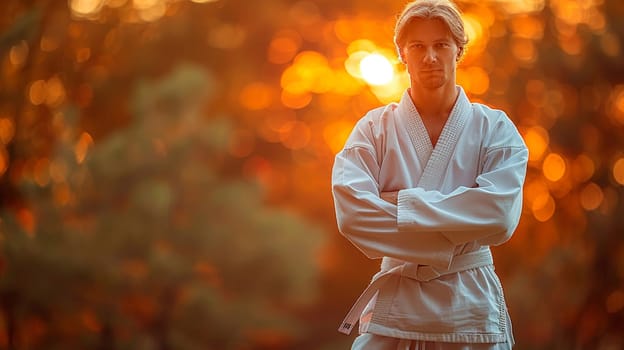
(434, 159)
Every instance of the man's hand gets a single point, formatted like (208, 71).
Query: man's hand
(390, 197)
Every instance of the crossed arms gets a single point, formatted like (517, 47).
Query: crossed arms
(422, 226)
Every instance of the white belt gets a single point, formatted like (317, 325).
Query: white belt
(417, 272)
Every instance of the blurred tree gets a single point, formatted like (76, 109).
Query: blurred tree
(107, 167)
(148, 245)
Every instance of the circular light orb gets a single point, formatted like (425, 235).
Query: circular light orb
(376, 69)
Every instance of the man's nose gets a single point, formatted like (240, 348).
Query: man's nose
(430, 55)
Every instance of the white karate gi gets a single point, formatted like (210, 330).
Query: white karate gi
(458, 197)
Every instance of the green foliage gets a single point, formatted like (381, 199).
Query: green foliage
(157, 248)
(24, 28)
(155, 239)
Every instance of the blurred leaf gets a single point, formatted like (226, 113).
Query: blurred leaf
(24, 27)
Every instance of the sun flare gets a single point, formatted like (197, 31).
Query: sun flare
(376, 69)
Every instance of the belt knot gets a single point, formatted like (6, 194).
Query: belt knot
(423, 273)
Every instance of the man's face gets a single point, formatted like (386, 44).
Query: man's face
(430, 53)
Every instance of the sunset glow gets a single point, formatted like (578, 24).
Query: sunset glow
(376, 69)
(155, 154)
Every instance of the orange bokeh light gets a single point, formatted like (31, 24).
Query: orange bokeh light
(295, 135)
(335, 134)
(474, 79)
(295, 100)
(537, 141)
(85, 142)
(4, 160)
(616, 104)
(591, 196)
(284, 46)
(583, 168)
(256, 96)
(618, 171)
(554, 167)
(543, 207)
(527, 26)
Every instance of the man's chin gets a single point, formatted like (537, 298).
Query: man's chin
(432, 84)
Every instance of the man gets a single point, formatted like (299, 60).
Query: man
(428, 184)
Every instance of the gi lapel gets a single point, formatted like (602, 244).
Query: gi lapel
(416, 130)
(443, 151)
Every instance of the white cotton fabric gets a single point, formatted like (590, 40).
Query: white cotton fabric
(369, 341)
(462, 195)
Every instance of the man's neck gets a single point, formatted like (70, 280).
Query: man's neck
(436, 103)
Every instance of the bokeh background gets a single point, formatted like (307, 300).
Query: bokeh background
(165, 167)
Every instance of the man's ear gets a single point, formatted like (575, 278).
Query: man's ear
(401, 56)
(460, 52)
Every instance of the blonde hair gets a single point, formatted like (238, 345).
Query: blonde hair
(444, 10)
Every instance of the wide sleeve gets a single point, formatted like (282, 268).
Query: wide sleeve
(369, 222)
(488, 212)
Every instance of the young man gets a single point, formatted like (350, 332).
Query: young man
(428, 184)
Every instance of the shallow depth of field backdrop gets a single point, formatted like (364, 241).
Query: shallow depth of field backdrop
(165, 167)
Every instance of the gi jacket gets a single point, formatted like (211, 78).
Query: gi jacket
(460, 196)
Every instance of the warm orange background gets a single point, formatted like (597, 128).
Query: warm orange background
(165, 167)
